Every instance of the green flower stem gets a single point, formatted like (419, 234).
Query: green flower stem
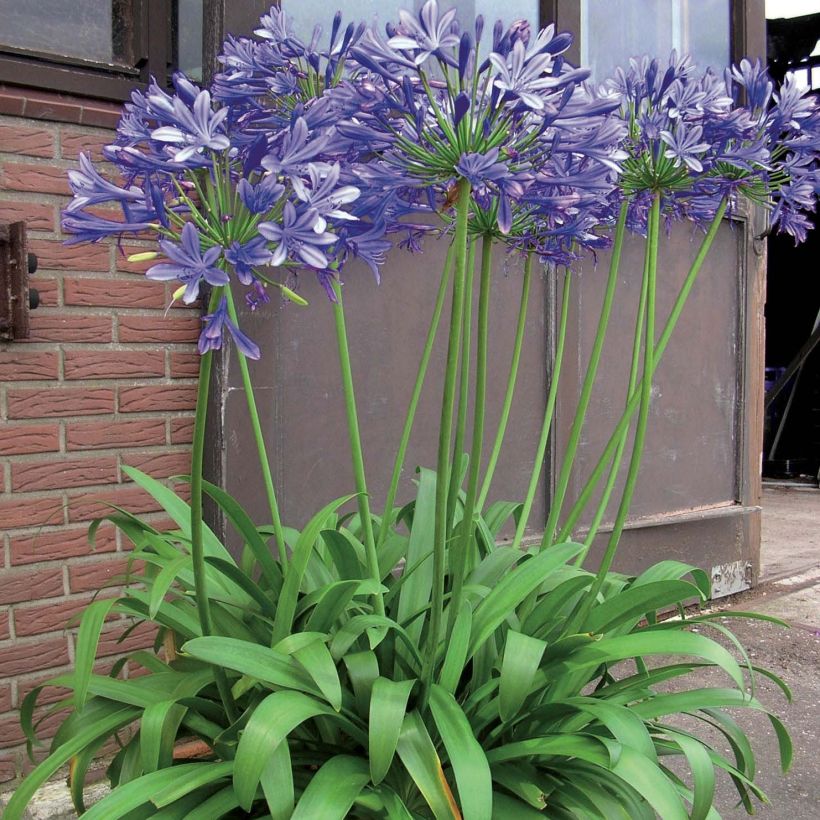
(264, 461)
(674, 315)
(203, 603)
(567, 463)
(549, 412)
(401, 452)
(445, 430)
(511, 380)
(643, 417)
(463, 391)
(355, 439)
(458, 559)
(634, 370)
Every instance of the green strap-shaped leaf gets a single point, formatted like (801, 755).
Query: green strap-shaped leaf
(178, 509)
(242, 521)
(317, 661)
(160, 721)
(491, 568)
(277, 783)
(555, 605)
(162, 583)
(455, 655)
(158, 731)
(624, 725)
(332, 790)
(673, 570)
(246, 584)
(418, 754)
(331, 602)
(271, 722)
(88, 733)
(88, 639)
(585, 747)
(653, 785)
(415, 592)
(522, 781)
(629, 606)
(388, 704)
(703, 774)
(514, 588)
(357, 625)
(286, 606)
(160, 788)
(648, 642)
(252, 660)
(508, 808)
(362, 671)
(499, 512)
(346, 552)
(475, 786)
(522, 656)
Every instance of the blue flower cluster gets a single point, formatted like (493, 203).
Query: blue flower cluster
(696, 140)
(303, 155)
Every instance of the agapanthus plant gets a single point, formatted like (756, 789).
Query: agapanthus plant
(407, 665)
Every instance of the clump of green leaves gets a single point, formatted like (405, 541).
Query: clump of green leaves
(328, 715)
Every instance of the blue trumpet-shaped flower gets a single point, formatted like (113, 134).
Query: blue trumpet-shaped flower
(189, 265)
(246, 256)
(296, 236)
(194, 127)
(213, 333)
(427, 34)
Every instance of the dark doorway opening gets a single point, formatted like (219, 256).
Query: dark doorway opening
(791, 448)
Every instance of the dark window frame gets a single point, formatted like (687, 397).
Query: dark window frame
(152, 57)
(747, 28)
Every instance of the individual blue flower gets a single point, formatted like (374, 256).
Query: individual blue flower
(684, 146)
(87, 227)
(193, 127)
(246, 256)
(260, 198)
(189, 265)
(482, 168)
(295, 150)
(324, 195)
(91, 188)
(213, 333)
(296, 236)
(427, 34)
(527, 77)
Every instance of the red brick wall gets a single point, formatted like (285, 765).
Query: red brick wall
(104, 381)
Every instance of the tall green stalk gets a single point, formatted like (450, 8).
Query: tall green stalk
(461, 544)
(261, 449)
(463, 400)
(623, 424)
(401, 452)
(549, 412)
(511, 380)
(203, 603)
(354, 436)
(567, 463)
(631, 481)
(634, 370)
(445, 431)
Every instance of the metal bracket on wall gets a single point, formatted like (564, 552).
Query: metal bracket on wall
(16, 298)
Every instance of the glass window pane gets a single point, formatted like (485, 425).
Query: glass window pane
(612, 31)
(306, 13)
(99, 30)
(189, 38)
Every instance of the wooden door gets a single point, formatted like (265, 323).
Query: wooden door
(698, 498)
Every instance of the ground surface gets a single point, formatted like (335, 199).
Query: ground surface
(790, 590)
